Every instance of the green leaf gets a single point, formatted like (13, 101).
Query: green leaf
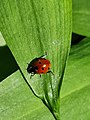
(76, 106)
(17, 101)
(81, 17)
(2, 41)
(75, 93)
(31, 28)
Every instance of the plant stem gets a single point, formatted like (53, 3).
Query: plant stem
(55, 110)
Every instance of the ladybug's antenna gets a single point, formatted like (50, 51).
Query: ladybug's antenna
(44, 55)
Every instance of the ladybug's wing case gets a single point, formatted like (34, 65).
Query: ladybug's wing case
(39, 66)
(33, 61)
(42, 66)
(43, 69)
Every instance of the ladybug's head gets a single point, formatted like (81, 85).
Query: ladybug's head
(31, 69)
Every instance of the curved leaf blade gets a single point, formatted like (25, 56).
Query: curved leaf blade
(35, 27)
(18, 102)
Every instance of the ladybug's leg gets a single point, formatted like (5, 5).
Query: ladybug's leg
(51, 72)
(44, 56)
(40, 75)
(32, 74)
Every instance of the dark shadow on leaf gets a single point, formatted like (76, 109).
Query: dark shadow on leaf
(8, 64)
(76, 38)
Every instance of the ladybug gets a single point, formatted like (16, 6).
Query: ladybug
(39, 66)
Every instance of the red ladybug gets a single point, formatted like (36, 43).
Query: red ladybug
(39, 66)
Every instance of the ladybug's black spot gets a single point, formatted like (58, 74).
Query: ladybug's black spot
(41, 72)
(48, 68)
(42, 68)
(39, 62)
